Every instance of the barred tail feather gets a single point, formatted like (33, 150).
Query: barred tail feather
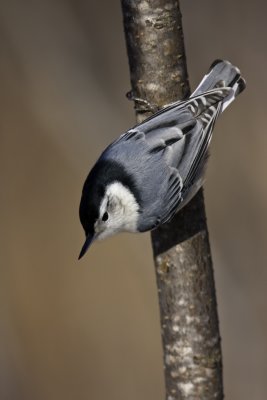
(222, 74)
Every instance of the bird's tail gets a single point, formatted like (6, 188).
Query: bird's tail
(222, 74)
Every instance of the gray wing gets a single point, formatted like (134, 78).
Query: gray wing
(183, 131)
(169, 154)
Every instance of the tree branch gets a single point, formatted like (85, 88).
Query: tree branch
(187, 299)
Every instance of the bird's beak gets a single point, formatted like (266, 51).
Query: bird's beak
(88, 241)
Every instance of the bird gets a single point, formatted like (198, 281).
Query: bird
(153, 170)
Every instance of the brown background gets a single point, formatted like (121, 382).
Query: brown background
(90, 330)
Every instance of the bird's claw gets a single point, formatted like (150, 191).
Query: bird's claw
(142, 105)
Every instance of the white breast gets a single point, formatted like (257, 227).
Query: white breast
(123, 211)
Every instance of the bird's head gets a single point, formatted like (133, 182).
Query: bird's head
(107, 206)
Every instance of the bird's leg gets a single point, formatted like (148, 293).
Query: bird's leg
(144, 105)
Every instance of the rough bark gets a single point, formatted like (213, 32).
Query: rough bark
(187, 299)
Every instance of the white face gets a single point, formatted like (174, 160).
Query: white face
(118, 212)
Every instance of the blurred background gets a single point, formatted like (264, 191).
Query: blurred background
(90, 330)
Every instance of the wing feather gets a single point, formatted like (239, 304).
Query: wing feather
(177, 136)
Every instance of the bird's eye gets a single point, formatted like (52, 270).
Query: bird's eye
(105, 216)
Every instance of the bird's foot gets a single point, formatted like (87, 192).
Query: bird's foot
(142, 105)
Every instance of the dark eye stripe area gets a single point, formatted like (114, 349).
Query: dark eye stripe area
(104, 172)
(105, 216)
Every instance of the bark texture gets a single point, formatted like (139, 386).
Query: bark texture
(187, 299)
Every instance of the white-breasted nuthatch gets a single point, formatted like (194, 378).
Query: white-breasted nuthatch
(150, 172)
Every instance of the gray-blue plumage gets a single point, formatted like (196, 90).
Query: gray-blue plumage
(162, 160)
(166, 153)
